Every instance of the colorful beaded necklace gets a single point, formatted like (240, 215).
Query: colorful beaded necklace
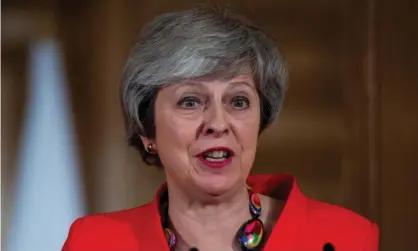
(249, 235)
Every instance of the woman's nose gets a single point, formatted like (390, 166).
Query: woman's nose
(215, 122)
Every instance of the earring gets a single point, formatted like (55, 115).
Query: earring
(150, 149)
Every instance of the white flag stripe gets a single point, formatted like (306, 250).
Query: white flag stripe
(49, 192)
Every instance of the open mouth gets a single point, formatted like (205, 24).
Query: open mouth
(216, 157)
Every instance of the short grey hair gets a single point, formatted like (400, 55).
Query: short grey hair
(192, 44)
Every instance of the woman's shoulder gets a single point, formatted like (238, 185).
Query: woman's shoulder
(114, 218)
(323, 213)
(340, 226)
(107, 231)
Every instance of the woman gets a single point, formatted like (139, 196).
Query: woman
(199, 88)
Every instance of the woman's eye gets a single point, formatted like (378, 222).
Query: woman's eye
(240, 103)
(189, 102)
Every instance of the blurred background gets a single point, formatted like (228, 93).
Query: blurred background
(348, 129)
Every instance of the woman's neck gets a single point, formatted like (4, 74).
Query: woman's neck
(211, 224)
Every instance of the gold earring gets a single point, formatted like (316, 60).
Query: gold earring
(150, 149)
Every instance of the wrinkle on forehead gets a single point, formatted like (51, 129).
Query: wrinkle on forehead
(222, 73)
(232, 84)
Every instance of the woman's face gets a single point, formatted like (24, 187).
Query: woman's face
(207, 133)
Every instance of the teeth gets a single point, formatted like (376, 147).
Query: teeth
(215, 160)
(217, 154)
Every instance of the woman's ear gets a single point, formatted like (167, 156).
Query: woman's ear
(145, 141)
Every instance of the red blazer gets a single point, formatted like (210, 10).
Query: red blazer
(305, 224)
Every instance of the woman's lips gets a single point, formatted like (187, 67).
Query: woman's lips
(216, 162)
